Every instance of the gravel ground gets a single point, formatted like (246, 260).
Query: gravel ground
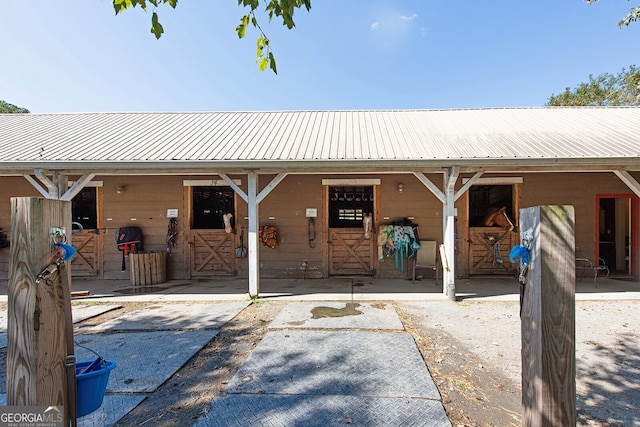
(488, 332)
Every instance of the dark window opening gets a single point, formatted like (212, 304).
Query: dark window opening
(348, 205)
(484, 198)
(210, 204)
(84, 208)
(607, 235)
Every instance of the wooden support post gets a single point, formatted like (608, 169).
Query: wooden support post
(448, 216)
(36, 344)
(252, 240)
(548, 318)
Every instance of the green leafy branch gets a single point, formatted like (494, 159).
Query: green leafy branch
(632, 16)
(282, 9)
(621, 89)
(156, 27)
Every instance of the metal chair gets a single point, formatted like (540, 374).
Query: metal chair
(426, 257)
(597, 265)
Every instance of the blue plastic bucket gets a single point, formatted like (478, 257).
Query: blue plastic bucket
(91, 386)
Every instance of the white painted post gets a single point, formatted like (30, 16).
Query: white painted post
(252, 242)
(449, 283)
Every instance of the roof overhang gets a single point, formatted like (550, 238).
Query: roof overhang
(324, 166)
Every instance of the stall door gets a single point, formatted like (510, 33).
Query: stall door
(350, 252)
(88, 243)
(212, 241)
(492, 225)
(489, 250)
(212, 253)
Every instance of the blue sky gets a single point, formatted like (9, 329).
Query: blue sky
(344, 54)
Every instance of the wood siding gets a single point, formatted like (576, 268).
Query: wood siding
(145, 201)
(576, 189)
(11, 187)
(285, 208)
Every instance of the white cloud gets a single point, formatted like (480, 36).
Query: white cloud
(409, 18)
(391, 28)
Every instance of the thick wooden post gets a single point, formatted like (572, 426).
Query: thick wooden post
(36, 347)
(548, 318)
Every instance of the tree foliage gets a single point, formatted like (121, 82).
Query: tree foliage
(632, 16)
(281, 9)
(5, 107)
(620, 89)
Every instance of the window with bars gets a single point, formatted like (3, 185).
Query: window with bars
(347, 206)
(210, 204)
(84, 208)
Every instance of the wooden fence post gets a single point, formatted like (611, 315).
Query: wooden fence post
(548, 318)
(36, 347)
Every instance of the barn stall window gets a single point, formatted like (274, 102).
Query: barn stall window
(84, 208)
(348, 205)
(484, 198)
(209, 206)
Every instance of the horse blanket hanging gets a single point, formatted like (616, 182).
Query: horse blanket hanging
(128, 240)
(399, 241)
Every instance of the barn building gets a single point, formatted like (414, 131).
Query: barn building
(318, 194)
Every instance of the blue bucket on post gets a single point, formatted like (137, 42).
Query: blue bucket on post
(92, 384)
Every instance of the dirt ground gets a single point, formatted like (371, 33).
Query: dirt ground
(475, 390)
(472, 350)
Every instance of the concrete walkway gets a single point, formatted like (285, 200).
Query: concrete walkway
(333, 289)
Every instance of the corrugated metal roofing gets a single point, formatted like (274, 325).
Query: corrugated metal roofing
(307, 136)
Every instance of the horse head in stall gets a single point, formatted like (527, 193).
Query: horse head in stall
(497, 217)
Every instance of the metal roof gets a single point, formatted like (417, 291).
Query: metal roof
(322, 139)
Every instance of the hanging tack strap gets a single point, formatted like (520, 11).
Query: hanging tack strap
(497, 256)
